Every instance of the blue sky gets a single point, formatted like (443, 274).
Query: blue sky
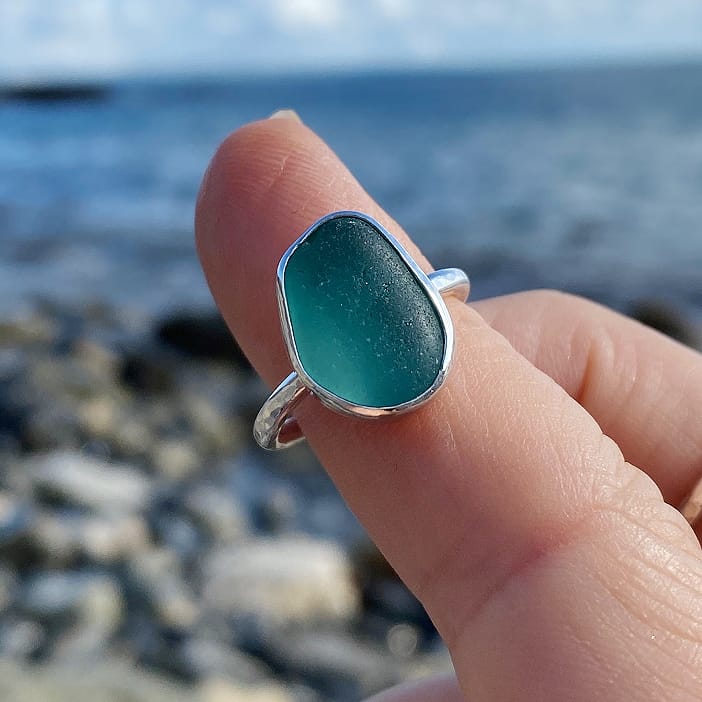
(85, 38)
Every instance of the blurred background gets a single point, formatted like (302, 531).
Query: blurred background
(148, 550)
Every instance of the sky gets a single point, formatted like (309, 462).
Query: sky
(77, 39)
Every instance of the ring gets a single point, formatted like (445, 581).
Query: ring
(691, 507)
(367, 331)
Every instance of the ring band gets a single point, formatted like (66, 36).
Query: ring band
(367, 331)
(691, 508)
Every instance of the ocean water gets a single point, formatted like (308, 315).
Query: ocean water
(588, 180)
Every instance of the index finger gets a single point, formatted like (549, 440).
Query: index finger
(493, 501)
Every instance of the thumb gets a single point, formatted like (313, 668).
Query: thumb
(551, 567)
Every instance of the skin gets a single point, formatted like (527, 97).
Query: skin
(528, 505)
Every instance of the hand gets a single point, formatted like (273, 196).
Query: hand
(525, 505)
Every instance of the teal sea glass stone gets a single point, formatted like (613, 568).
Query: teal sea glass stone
(362, 325)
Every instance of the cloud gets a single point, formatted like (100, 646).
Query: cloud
(66, 38)
(307, 16)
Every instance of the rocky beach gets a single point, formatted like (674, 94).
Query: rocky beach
(150, 551)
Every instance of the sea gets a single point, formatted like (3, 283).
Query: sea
(583, 179)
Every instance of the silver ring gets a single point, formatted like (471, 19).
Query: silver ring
(367, 331)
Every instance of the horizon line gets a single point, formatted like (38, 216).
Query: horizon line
(508, 65)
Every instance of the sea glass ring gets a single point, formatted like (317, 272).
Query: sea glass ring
(367, 331)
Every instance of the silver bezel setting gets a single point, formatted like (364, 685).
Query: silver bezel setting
(327, 397)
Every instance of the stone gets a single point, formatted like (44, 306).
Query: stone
(176, 459)
(384, 594)
(147, 374)
(65, 596)
(218, 690)
(8, 585)
(16, 520)
(364, 328)
(281, 580)
(668, 320)
(97, 358)
(106, 682)
(74, 479)
(211, 422)
(62, 538)
(217, 512)
(20, 638)
(340, 664)
(30, 327)
(155, 582)
(203, 658)
(202, 336)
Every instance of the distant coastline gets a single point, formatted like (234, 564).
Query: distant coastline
(47, 88)
(55, 92)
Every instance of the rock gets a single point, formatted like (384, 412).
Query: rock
(278, 511)
(50, 426)
(202, 336)
(202, 659)
(149, 374)
(155, 582)
(8, 586)
(403, 640)
(20, 638)
(437, 661)
(61, 539)
(132, 435)
(383, 591)
(177, 532)
(29, 328)
(338, 663)
(217, 690)
(666, 319)
(100, 360)
(66, 377)
(60, 597)
(175, 459)
(212, 423)
(217, 512)
(73, 479)
(106, 682)
(283, 580)
(16, 520)
(97, 416)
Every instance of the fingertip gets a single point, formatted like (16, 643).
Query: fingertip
(245, 163)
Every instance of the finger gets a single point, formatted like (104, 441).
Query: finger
(537, 550)
(644, 389)
(438, 688)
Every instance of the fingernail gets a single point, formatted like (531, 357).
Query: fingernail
(286, 114)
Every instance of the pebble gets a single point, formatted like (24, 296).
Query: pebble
(175, 459)
(107, 682)
(339, 663)
(217, 690)
(202, 336)
(63, 538)
(74, 479)
(292, 578)
(30, 327)
(54, 597)
(20, 639)
(16, 518)
(156, 582)
(216, 512)
(204, 658)
(668, 320)
(8, 586)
